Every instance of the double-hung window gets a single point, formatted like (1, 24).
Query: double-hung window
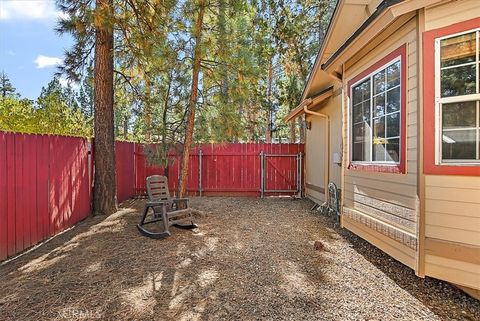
(457, 98)
(376, 116)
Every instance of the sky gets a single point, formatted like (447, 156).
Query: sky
(30, 49)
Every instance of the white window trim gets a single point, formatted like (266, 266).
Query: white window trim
(350, 125)
(455, 99)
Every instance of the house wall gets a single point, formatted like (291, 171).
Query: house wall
(315, 160)
(382, 207)
(316, 147)
(452, 203)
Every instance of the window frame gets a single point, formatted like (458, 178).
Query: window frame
(431, 156)
(439, 101)
(398, 55)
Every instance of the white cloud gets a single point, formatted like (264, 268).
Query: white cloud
(29, 10)
(44, 61)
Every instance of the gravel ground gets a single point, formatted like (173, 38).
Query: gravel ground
(250, 259)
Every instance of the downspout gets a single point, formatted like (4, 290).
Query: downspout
(327, 142)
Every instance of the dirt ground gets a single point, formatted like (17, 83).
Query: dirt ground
(250, 259)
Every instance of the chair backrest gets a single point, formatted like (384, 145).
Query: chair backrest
(157, 188)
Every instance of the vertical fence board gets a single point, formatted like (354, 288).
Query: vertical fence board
(11, 190)
(30, 192)
(42, 187)
(19, 201)
(3, 197)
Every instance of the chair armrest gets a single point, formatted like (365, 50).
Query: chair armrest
(156, 203)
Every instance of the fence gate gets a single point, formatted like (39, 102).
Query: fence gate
(281, 173)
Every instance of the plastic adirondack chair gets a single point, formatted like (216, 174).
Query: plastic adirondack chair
(169, 211)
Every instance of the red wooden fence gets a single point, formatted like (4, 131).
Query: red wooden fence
(125, 166)
(44, 188)
(228, 169)
(45, 180)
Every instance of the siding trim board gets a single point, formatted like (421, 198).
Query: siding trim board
(385, 168)
(315, 188)
(430, 166)
(452, 250)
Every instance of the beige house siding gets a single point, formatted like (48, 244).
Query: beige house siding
(452, 215)
(314, 159)
(316, 147)
(453, 209)
(454, 271)
(450, 12)
(387, 203)
(452, 203)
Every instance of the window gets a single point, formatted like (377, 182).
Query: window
(457, 98)
(376, 115)
(450, 99)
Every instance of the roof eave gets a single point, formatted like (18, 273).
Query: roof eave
(391, 8)
(378, 12)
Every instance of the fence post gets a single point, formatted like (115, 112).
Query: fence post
(134, 171)
(200, 165)
(297, 173)
(262, 174)
(91, 168)
(300, 169)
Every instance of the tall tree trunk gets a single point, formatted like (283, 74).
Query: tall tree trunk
(104, 190)
(147, 109)
(293, 134)
(165, 146)
(222, 53)
(302, 128)
(268, 133)
(187, 143)
(125, 127)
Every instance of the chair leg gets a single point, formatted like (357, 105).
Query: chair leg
(144, 216)
(154, 235)
(166, 223)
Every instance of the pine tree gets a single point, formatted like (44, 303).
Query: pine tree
(92, 29)
(104, 190)
(6, 87)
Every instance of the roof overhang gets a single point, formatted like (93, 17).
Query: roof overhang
(300, 109)
(388, 12)
(347, 16)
